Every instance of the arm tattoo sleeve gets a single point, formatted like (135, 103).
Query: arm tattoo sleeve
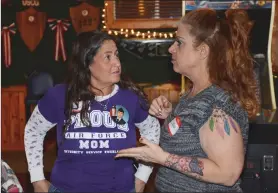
(187, 165)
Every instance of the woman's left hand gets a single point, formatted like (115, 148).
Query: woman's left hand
(150, 152)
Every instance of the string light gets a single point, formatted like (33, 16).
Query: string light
(131, 32)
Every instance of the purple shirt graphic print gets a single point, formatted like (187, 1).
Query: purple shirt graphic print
(85, 160)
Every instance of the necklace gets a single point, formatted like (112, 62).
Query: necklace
(104, 105)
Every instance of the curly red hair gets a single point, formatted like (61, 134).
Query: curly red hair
(228, 42)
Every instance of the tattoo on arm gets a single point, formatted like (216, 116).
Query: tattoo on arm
(187, 165)
(221, 122)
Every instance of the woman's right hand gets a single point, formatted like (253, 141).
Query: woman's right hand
(41, 186)
(160, 107)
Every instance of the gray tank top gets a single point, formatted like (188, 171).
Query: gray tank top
(194, 113)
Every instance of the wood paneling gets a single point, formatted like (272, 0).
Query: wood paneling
(171, 91)
(13, 118)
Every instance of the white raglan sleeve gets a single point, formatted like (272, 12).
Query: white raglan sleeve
(149, 129)
(35, 131)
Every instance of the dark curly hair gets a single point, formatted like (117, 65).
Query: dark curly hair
(78, 82)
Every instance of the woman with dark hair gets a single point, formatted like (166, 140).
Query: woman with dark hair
(88, 138)
(203, 140)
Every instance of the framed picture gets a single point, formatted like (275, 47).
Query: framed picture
(229, 4)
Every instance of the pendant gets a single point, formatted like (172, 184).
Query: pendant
(104, 107)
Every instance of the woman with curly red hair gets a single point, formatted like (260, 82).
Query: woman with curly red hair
(204, 138)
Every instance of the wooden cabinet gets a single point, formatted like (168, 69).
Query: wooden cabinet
(13, 118)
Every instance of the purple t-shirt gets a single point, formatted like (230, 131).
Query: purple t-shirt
(85, 161)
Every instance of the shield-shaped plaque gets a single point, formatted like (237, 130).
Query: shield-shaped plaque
(85, 17)
(31, 25)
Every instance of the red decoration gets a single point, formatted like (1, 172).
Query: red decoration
(60, 26)
(6, 31)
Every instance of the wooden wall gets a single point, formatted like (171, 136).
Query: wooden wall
(13, 118)
(171, 91)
